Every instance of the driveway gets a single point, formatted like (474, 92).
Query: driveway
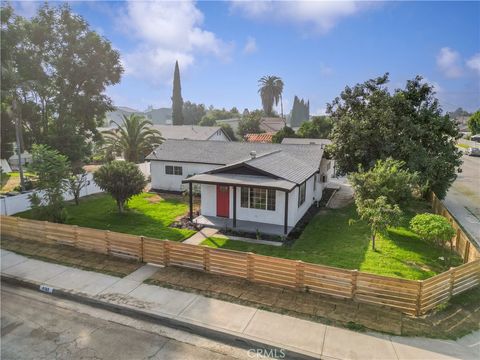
(463, 198)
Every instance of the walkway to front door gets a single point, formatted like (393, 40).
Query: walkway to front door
(223, 201)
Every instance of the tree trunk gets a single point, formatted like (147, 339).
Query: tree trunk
(373, 241)
(120, 206)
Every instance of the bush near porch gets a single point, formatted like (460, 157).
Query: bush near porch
(147, 214)
(331, 238)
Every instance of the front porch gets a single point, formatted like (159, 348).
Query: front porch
(242, 225)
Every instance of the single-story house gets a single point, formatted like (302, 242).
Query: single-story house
(244, 186)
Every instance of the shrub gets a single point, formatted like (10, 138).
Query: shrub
(435, 229)
(121, 180)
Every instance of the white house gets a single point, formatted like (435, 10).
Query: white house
(245, 186)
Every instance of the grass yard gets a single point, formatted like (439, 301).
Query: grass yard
(147, 214)
(10, 181)
(332, 239)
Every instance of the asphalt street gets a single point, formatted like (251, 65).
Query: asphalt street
(463, 198)
(38, 326)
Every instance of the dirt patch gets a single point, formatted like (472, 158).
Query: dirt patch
(458, 318)
(70, 256)
(154, 199)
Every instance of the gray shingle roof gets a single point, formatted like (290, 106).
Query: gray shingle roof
(294, 163)
(234, 179)
(179, 132)
(299, 141)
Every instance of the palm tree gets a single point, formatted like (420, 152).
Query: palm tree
(271, 88)
(135, 138)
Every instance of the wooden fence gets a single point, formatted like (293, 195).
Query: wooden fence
(461, 242)
(409, 296)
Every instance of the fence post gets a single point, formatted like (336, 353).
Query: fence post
(206, 258)
(166, 255)
(300, 275)
(141, 248)
(17, 228)
(45, 231)
(250, 266)
(452, 281)
(107, 240)
(354, 283)
(457, 237)
(75, 235)
(418, 306)
(467, 252)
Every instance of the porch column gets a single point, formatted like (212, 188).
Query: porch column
(285, 221)
(190, 195)
(234, 206)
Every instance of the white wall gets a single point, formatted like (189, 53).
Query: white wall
(162, 181)
(10, 205)
(218, 136)
(144, 168)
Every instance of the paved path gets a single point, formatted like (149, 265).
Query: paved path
(343, 196)
(301, 336)
(198, 237)
(463, 198)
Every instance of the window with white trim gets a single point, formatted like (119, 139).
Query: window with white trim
(257, 198)
(302, 190)
(173, 170)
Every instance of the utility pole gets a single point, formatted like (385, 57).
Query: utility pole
(18, 137)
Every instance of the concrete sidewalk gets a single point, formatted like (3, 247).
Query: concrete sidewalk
(249, 325)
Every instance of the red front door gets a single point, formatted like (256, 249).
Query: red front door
(223, 200)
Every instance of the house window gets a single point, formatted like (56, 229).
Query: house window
(324, 178)
(314, 182)
(173, 170)
(256, 198)
(302, 189)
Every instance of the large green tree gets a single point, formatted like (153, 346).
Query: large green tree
(270, 90)
(320, 127)
(285, 132)
(177, 101)
(371, 123)
(135, 138)
(61, 70)
(249, 124)
(193, 113)
(474, 123)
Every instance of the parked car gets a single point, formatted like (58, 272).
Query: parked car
(473, 151)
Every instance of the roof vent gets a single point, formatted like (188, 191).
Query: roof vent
(253, 154)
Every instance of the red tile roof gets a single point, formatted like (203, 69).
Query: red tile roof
(259, 138)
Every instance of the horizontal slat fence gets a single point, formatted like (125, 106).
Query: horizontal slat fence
(461, 243)
(409, 296)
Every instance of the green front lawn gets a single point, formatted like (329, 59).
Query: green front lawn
(147, 214)
(331, 238)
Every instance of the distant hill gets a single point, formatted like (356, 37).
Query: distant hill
(461, 118)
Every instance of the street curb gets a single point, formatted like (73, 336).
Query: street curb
(224, 336)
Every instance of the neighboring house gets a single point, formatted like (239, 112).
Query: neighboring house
(192, 132)
(306, 141)
(268, 125)
(5, 166)
(260, 138)
(245, 186)
(25, 158)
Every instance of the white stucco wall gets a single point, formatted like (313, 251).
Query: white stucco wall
(218, 136)
(295, 213)
(162, 181)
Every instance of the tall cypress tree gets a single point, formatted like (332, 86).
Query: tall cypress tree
(177, 101)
